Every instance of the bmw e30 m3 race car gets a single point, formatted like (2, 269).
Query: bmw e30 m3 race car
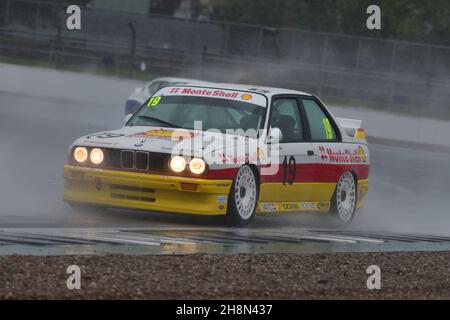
(228, 150)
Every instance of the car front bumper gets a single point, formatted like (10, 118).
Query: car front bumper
(144, 191)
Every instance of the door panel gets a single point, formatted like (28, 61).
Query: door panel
(332, 157)
(295, 172)
(296, 157)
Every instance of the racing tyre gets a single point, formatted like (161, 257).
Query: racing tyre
(344, 199)
(243, 197)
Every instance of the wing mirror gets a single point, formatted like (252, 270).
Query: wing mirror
(127, 117)
(275, 136)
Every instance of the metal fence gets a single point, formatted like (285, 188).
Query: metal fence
(391, 74)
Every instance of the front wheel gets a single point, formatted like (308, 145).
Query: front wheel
(243, 197)
(344, 198)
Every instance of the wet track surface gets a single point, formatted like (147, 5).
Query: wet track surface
(170, 241)
(409, 196)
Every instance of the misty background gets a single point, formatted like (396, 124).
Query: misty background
(322, 47)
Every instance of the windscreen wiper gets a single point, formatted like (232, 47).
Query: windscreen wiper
(160, 121)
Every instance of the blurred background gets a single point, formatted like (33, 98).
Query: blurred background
(322, 47)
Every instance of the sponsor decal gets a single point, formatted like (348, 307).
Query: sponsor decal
(175, 91)
(166, 134)
(231, 94)
(329, 155)
(362, 153)
(322, 205)
(231, 158)
(103, 143)
(206, 92)
(292, 206)
(221, 199)
(269, 207)
(246, 97)
(105, 136)
(262, 91)
(308, 206)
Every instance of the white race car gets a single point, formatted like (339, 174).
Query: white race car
(141, 94)
(229, 150)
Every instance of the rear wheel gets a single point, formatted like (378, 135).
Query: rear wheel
(344, 198)
(243, 197)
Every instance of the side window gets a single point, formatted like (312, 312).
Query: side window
(319, 123)
(285, 115)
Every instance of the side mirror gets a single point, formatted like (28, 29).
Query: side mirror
(127, 117)
(275, 136)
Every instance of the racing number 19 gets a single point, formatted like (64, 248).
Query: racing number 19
(289, 168)
(153, 102)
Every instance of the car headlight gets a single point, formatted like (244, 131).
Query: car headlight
(80, 154)
(178, 164)
(97, 156)
(197, 166)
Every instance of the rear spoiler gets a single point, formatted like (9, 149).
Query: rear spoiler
(353, 128)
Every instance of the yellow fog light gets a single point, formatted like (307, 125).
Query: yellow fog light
(197, 166)
(80, 154)
(97, 156)
(178, 164)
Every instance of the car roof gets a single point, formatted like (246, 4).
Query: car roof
(172, 80)
(267, 91)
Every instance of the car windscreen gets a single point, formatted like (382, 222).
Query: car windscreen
(214, 113)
